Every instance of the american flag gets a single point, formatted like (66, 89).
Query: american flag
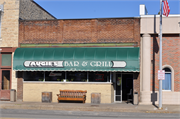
(166, 8)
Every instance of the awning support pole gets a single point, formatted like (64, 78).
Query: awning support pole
(87, 76)
(110, 76)
(65, 76)
(44, 76)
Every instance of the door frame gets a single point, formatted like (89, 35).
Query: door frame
(6, 50)
(114, 80)
(5, 91)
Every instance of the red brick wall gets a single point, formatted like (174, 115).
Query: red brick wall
(170, 56)
(136, 84)
(80, 31)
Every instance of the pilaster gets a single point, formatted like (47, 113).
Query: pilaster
(145, 95)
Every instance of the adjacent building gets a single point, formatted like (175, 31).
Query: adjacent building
(10, 13)
(149, 31)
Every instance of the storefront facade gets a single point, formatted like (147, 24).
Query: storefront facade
(97, 70)
(92, 55)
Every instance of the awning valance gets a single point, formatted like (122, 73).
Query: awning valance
(77, 59)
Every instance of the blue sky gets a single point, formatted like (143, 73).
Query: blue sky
(79, 9)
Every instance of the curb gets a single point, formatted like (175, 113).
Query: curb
(75, 108)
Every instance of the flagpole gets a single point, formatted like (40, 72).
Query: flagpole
(160, 57)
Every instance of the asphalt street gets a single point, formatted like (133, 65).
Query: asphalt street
(54, 114)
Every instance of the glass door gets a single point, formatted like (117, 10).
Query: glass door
(118, 87)
(5, 83)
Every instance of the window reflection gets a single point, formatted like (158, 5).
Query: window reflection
(54, 76)
(70, 76)
(33, 76)
(77, 76)
(99, 76)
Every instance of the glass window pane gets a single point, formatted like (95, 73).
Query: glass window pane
(54, 76)
(6, 60)
(118, 84)
(33, 76)
(99, 76)
(167, 70)
(5, 80)
(77, 76)
(118, 98)
(166, 84)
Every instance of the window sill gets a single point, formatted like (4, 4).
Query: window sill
(167, 90)
(49, 82)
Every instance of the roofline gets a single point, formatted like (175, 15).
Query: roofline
(157, 15)
(43, 9)
(81, 19)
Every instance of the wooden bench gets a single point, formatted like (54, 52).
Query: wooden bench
(72, 95)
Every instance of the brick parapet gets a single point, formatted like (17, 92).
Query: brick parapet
(80, 31)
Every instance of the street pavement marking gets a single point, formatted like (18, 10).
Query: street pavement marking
(14, 118)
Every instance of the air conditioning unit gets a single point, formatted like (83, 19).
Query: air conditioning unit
(1, 8)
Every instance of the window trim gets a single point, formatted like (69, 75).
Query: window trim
(172, 76)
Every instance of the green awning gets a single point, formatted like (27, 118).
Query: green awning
(77, 59)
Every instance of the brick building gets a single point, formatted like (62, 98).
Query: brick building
(97, 55)
(149, 31)
(110, 56)
(10, 13)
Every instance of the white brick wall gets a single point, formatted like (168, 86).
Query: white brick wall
(9, 23)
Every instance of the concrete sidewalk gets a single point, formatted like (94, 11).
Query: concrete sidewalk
(114, 107)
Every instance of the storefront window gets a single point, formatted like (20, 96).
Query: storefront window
(54, 76)
(76, 76)
(33, 76)
(70, 76)
(99, 76)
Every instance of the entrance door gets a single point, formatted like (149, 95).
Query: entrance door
(127, 87)
(5, 83)
(118, 87)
